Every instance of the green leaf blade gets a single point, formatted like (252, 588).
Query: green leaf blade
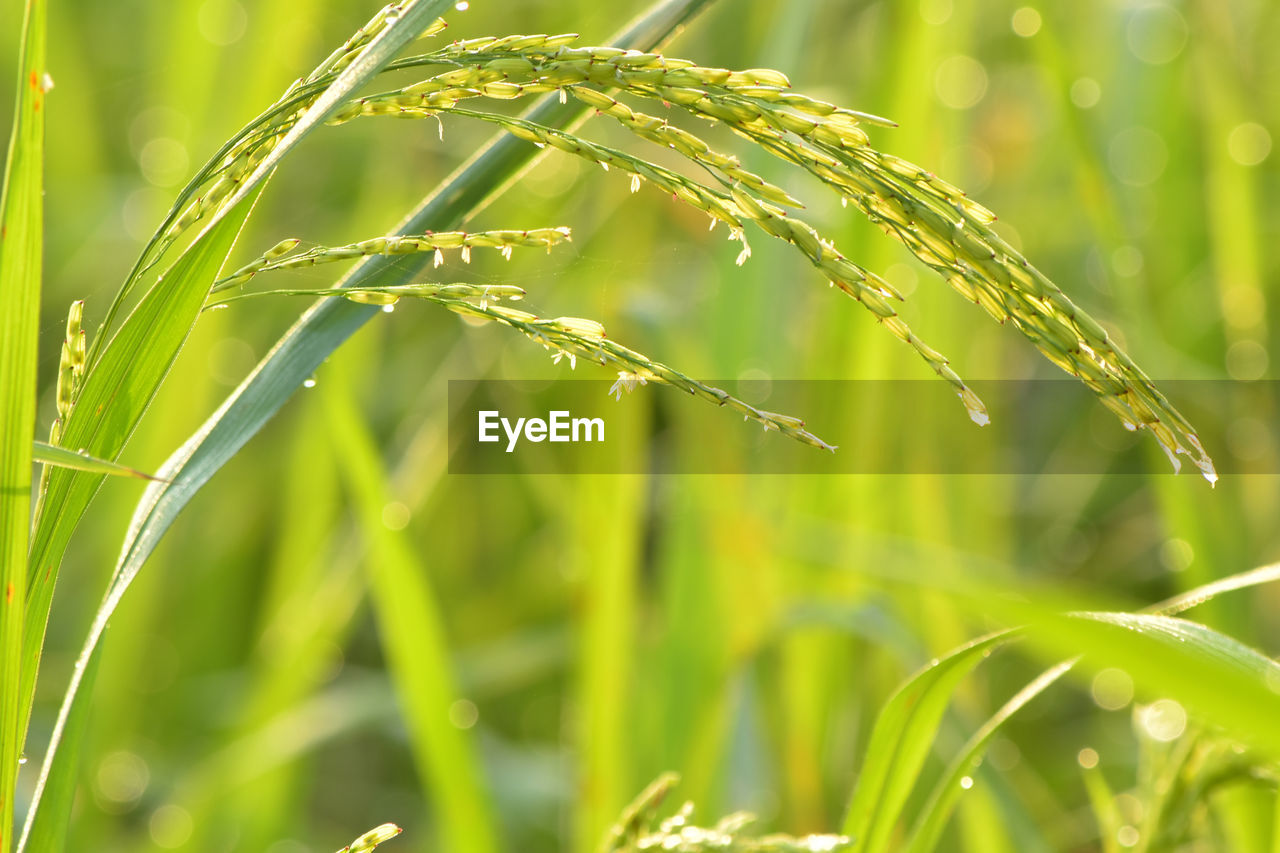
(901, 741)
(21, 247)
(1215, 677)
(113, 399)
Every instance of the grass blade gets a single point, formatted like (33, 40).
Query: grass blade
(48, 825)
(113, 399)
(1222, 680)
(901, 740)
(1226, 682)
(933, 817)
(21, 247)
(61, 457)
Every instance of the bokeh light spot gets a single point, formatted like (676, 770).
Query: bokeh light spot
(961, 82)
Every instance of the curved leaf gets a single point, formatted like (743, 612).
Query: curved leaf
(933, 818)
(61, 457)
(901, 741)
(115, 395)
(1223, 681)
(937, 810)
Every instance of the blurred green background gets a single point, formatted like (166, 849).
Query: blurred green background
(597, 630)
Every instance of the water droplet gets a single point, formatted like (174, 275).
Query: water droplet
(462, 5)
(387, 309)
(966, 782)
(309, 383)
(22, 760)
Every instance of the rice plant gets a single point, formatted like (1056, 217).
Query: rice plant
(633, 113)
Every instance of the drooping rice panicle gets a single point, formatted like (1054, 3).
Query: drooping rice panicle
(436, 242)
(389, 294)
(371, 839)
(736, 207)
(249, 147)
(639, 815)
(953, 236)
(235, 160)
(658, 130)
(635, 830)
(944, 228)
(347, 53)
(574, 338)
(568, 338)
(935, 220)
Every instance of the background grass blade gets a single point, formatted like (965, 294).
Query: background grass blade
(933, 817)
(21, 248)
(412, 634)
(61, 457)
